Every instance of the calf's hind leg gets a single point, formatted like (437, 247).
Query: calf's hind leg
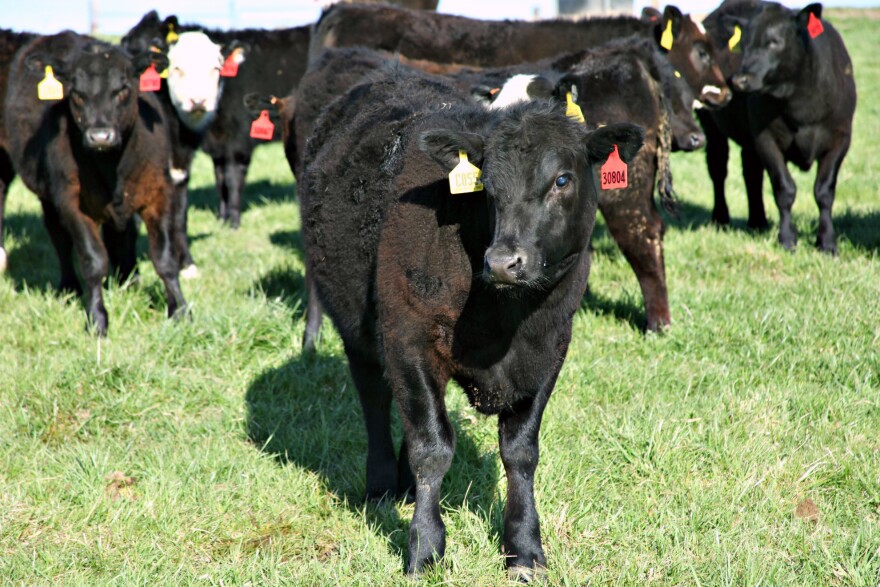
(162, 254)
(823, 190)
(375, 396)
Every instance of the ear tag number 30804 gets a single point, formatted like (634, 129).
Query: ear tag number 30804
(613, 172)
(465, 177)
(50, 88)
(150, 80)
(262, 128)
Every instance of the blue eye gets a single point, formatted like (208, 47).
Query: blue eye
(562, 181)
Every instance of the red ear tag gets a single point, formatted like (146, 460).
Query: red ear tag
(614, 172)
(262, 128)
(150, 80)
(230, 66)
(814, 26)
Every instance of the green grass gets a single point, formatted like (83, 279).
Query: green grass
(211, 452)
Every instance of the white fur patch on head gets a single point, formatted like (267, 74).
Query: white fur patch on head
(194, 63)
(515, 89)
(3, 261)
(711, 90)
(697, 105)
(178, 176)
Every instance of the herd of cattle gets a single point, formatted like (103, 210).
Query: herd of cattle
(384, 114)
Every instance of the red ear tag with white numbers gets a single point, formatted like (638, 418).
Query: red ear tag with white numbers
(230, 66)
(262, 128)
(814, 26)
(150, 80)
(613, 173)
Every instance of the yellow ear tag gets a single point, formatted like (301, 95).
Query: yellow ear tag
(164, 74)
(666, 37)
(735, 37)
(677, 73)
(465, 178)
(172, 36)
(50, 88)
(572, 110)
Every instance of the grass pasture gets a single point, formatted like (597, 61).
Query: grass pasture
(739, 448)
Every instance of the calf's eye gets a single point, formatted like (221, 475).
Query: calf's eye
(562, 181)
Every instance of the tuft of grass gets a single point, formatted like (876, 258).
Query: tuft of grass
(211, 451)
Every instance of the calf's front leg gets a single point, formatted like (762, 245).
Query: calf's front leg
(518, 441)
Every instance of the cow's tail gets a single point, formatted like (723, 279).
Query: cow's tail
(668, 198)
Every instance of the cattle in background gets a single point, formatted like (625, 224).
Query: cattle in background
(274, 62)
(190, 98)
(454, 39)
(414, 4)
(425, 286)
(622, 82)
(796, 104)
(10, 43)
(95, 157)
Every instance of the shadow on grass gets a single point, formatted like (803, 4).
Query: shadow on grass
(861, 229)
(290, 240)
(287, 285)
(306, 413)
(626, 308)
(207, 198)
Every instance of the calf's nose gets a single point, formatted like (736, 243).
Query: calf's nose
(101, 138)
(198, 103)
(696, 140)
(505, 267)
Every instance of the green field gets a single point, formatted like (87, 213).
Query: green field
(742, 447)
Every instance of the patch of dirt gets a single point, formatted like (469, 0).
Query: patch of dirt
(807, 511)
(120, 485)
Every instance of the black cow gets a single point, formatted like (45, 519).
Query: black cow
(10, 43)
(453, 39)
(799, 105)
(94, 158)
(425, 286)
(625, 80)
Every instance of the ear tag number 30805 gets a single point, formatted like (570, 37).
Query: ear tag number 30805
(262, 128)
(613, 172)
(50, 88)
(465, 177)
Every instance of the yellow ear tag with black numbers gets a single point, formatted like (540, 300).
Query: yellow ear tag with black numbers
(572, 110)
(677, 74)
(50, 88)
(172, 35)
(666, 37)
(733, 42)
(465, 178)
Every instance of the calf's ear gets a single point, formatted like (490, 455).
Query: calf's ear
(443, 145)
(238, 50)
(803, 17)
(255, 103)
(628, 138)
(144, 59)
(650, 14)
(37, 63)
(669, 27)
